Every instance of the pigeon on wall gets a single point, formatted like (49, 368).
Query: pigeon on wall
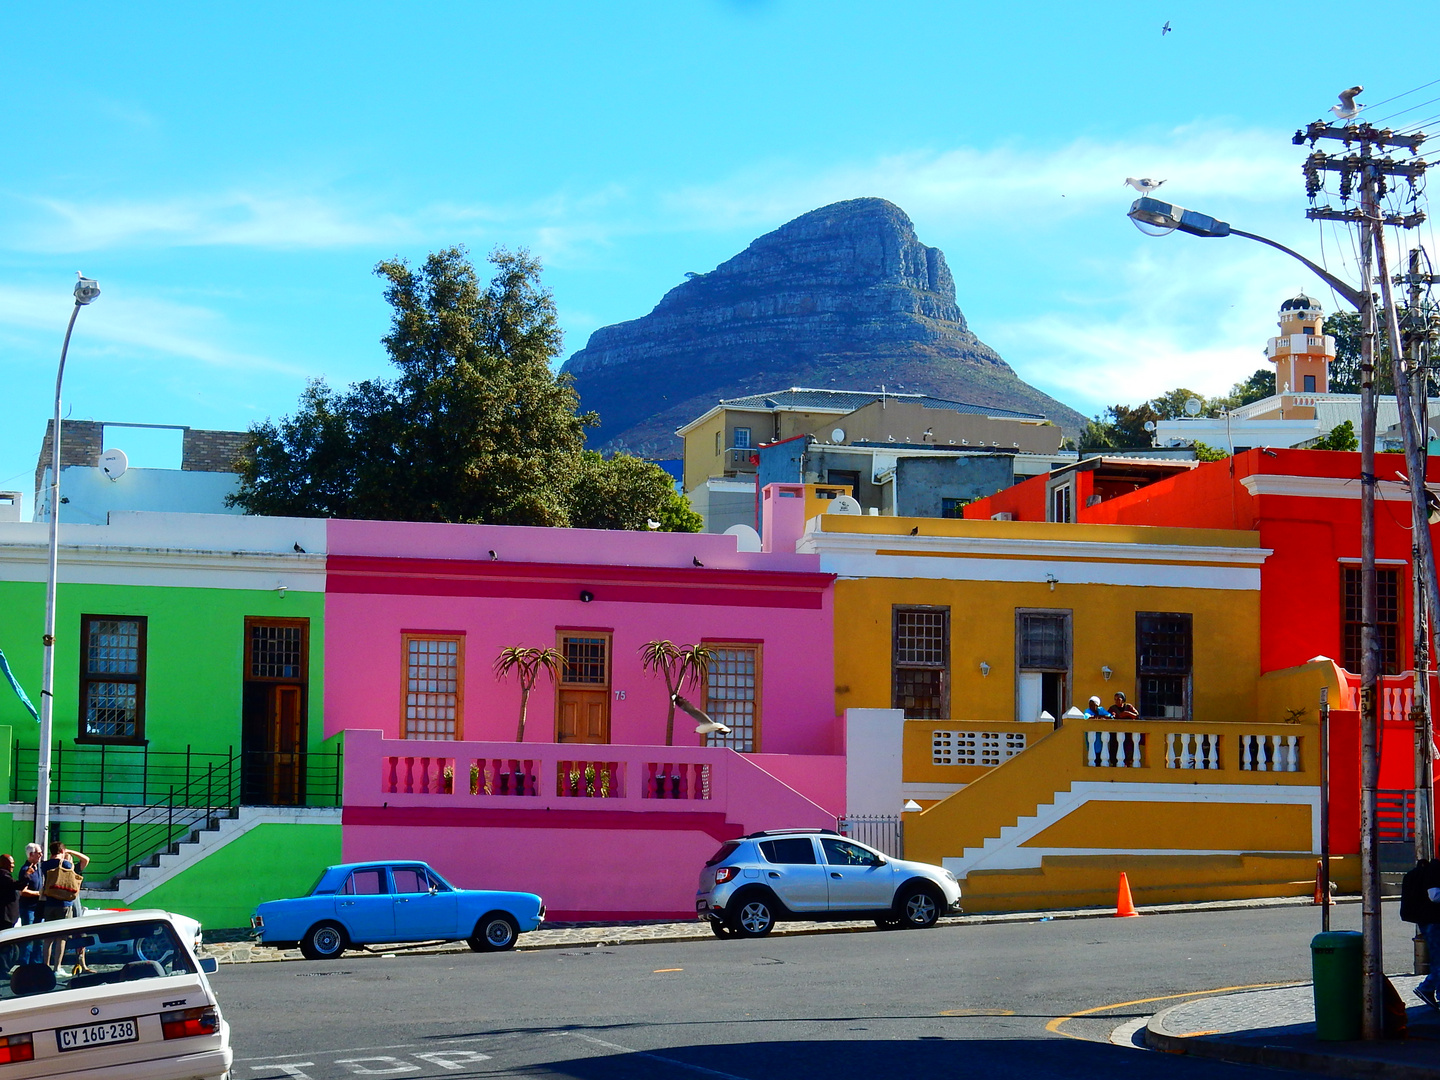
(1347, 109)
(1144, 184)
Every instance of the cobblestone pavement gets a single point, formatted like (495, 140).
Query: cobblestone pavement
(235, 947)
(1276, 1027)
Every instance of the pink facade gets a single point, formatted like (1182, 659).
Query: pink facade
(387, 580)
(600, 832)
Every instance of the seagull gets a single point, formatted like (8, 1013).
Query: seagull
(1144, 184)
(1347, 109)
(696, 560)
(299, 549)
(494, 557)
(1165, 29)
(651, 524)
(706, 726)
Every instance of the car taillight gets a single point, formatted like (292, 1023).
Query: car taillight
(17, 1048)
(187, 1022)
(726, 873)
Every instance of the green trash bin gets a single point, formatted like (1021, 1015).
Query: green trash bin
(1336, 968)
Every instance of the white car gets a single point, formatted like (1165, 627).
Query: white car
(118, 995)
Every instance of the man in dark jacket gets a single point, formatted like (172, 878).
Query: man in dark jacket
(9, 893)
(1427, 910)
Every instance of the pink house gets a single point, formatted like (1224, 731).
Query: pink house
(416, 615)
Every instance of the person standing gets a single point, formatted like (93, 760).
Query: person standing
(32, 903)
(59, 907)
(1420, 904)
(9, 893)
(1122, 709)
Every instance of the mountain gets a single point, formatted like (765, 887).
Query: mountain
(842, 298)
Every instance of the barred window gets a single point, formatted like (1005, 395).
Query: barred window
(1044, 639)
(732, 695)
(434, 669)
(277, 650)
(112, 678)
(1163, 661)
(1387, 618)
(585, 661)
(921, 662)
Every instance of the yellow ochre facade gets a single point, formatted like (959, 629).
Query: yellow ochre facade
(968, 625)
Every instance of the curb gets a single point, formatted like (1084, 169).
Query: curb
(1278, 1057)
(951, 922)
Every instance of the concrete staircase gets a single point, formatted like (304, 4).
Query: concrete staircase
(213, 833)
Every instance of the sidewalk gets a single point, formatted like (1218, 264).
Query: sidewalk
(1276, 1028)
(237, 947)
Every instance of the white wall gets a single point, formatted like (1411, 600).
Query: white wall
(874, 761)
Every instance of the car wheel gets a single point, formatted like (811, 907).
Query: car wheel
(323, 941)
(720, 930)
(889, 922)
(753, 916)
(494, 933)
(917, 907)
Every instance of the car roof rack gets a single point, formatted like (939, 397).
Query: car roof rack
(791, 832)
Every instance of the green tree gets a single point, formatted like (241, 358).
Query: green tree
(1341, 437)
(475, 427)
(1344, 327)
(1206, 452)
(527, 664)
(1257, 387)
(677, 665)
(623, 492)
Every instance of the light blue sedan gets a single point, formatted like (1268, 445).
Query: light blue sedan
(392, 902)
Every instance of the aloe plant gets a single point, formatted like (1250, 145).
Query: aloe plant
(677, 665)
(527, 664)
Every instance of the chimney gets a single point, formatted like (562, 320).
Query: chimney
(782, 516)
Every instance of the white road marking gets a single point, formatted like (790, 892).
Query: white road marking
(395, 1065)
(653, 1057)
(347, 1050)
(295, 1069)
(453, 1059)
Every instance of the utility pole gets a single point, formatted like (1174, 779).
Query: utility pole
(1372, 172)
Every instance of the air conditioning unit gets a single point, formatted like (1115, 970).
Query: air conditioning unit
(1004, 515)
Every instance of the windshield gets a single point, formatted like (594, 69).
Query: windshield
(89, 956)
(724, 853)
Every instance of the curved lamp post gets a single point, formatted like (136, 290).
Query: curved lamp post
(86, 290)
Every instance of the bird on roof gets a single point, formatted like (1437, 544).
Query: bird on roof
(696, 560)
(1165, 29)
(1347, 109)
(915, 531)
(652, 524)
(493, 556)
(1143, 184)
(299, 549)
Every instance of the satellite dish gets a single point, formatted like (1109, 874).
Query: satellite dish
(838, 435)
(1149, 425)
(113, 463)
(1192, 406)
(843, 504)
(746, 538)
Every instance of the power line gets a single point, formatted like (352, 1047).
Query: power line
(1405, 93)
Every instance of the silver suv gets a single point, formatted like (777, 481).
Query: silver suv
(752, 883)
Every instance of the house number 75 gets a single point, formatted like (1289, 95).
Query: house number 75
(619, 695)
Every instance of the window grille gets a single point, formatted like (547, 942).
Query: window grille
(432, 687)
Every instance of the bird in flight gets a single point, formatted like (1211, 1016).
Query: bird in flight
(1165, 29)
(1144, 184)
(1347, 109)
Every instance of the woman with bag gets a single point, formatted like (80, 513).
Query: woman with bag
(62, 887)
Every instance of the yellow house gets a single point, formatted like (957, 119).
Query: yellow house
(989, 637)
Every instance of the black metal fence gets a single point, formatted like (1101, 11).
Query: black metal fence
(166, 795)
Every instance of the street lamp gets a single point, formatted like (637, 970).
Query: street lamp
(86, 291)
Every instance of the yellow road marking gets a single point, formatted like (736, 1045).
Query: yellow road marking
(1054, 1025)
(1196, 1034)
(661, 971)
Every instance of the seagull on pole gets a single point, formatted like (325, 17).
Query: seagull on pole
(1144, 184)
(1347, 109)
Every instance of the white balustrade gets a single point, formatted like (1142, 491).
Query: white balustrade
(1192, 750)
(1115, 749)
(1270, 753)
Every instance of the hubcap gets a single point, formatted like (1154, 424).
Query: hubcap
(327, 940)
(498, 932)
(754, 917)
(920, 908)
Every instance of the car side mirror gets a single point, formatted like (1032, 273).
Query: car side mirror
(209, 965)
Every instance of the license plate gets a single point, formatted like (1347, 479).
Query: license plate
(87, 1035)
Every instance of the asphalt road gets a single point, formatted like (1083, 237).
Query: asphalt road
(992, 999)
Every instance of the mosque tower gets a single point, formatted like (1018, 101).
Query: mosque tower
(1303, 352)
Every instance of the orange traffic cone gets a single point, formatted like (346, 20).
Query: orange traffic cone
(1124, 906)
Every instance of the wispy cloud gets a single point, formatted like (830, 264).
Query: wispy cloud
(132, 324)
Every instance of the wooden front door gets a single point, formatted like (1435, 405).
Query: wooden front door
(582, 712)
(273, 730)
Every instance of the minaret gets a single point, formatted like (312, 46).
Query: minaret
(1302, 353)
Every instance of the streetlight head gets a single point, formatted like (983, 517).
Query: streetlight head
(86, 290)
(1167, 217)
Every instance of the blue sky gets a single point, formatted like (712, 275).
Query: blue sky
(231, 176)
